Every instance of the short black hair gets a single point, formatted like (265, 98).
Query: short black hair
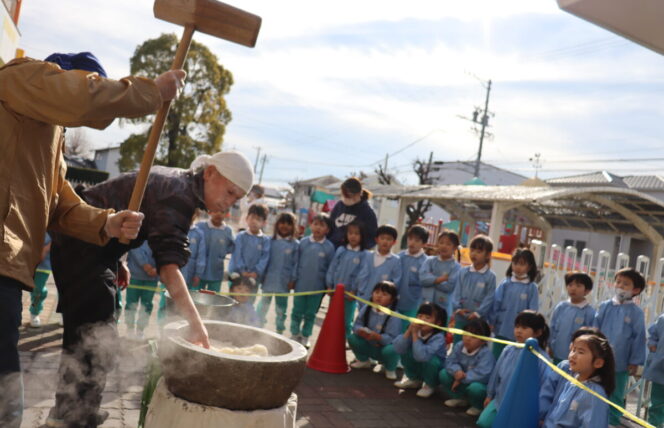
(482, 243)
(536, 321)
(581, 278)
(635, 276)
(478, 326)
(322, 218)
(419, 232)
(387, 229)
(432, 309)
(236, 280)
(259, 210)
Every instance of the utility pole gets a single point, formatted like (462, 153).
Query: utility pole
(484, 122)
(429, 178)
(537, 162)
(263, 160)
(258, 155)
(385, 165)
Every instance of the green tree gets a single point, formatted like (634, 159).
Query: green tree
(197, 119)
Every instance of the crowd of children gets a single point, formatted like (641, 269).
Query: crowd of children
(600, 346)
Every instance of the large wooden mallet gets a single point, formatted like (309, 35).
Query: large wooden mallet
(207, 16)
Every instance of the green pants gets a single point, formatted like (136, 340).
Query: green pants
(474, 392)
(618, 397)
(364, 350)
(138, 297)
(412, 313)
(488, 415)
(281, 307)
(460, 323)
(209, 285)
(427, 371)
(656, 411)
(39, 293)
(349, 315)
(497, 348)
(304, 308)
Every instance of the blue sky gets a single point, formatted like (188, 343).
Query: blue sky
(331, 87)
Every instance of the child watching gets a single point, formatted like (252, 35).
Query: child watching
(314, 256)
(591, 362)
(39, 293)
(526, 325)
(474, 285)
(384, 265)
(347, 268)
(195, 266)
(280, 273)
(243, 312)
(410, 289)
(570, 315)
(515, 294)
(252, 248)
(623, 322)
(219, 242)
(468, 368)
(422, 349)
(374, 331)
(654, 372)
(144, 276)
(437, 273)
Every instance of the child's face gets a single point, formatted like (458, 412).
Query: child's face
(216, 217)
(446, 248)
(319, 229)
(255, 223)
(354, 236)
(521, 333)
(625, 284)
(431, 319)
(384, 243)
(520, 268)
(581, 359)
(415, 244)
(381, 298)
(241, 289)
(471, 343)
(479, 257)
(285, 229)
(576, 291)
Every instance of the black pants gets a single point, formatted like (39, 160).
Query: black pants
(11, 383)
(85, 277)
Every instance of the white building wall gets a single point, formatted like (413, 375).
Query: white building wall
(107, 160)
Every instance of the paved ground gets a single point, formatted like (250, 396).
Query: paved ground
(356, 399)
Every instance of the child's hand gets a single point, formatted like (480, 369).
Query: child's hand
(455, 384)
(441, 278)
(374, 336)
(459, 375)
(291, 285)
(473, 315)
(632, 369)
(653, 348)
(487, 400)
(462, 312)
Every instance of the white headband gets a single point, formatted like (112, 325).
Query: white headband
(233, 165)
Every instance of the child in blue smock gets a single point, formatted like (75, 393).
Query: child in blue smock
(39, 293)
(654, 372)
(348, 268)
(314, 256)
(591, 363)
(195, 266)
(515, 294)
(468, 368)
(143, 283)
(570, 315)
(281, 270)
(526, 325)
(623, 323)
(219, 242)
(243, 312)
(437, 273)
(474, 285)
(422, 349)
(252, 247)
(374, 331)
(412, 259)
(382, 265)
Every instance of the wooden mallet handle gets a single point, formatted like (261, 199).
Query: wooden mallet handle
(157, 127)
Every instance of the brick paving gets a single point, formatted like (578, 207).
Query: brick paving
(357, 399)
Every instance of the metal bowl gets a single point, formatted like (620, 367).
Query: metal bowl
(210, 306)
(229, 381)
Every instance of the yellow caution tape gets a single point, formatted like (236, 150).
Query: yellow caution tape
(225, 293)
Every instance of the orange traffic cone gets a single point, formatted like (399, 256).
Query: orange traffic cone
(330, 351)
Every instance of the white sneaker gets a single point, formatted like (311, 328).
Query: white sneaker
(378, 368)
(473, 411)
(357, 364)
(456, 402)
(35, 322)
(425, 392)
(406, 383)
(390, 374)
(305, 342)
